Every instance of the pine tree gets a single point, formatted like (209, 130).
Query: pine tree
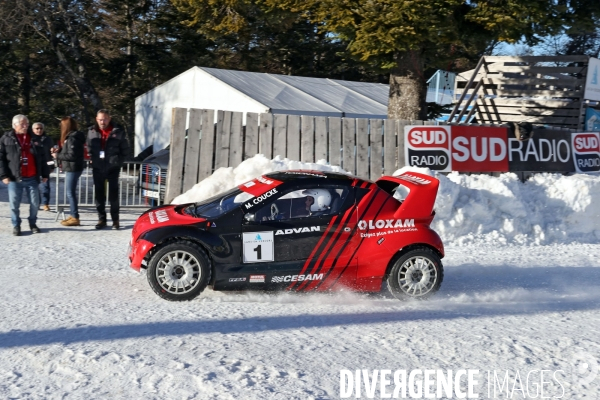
(407, 38)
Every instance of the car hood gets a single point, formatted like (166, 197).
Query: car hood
(159, 217)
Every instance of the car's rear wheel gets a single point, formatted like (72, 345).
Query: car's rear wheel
(179, 271)
(417, 274)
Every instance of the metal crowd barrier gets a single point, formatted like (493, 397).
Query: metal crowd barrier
(153, 181)
(130, 192)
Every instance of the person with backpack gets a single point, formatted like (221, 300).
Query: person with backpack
(71, 158)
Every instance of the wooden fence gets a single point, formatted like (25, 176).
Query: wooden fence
(367, 148)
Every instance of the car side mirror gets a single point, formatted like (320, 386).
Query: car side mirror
(250, 217)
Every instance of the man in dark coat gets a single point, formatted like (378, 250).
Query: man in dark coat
(39, 129)
(22, 163)
(108, 147)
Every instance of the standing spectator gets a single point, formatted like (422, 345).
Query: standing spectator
(22, 162)
(39, 129)
(108, 147)
(72, 162)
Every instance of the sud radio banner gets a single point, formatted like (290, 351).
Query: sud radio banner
(493, 149)
(547, 151)
(586, 151)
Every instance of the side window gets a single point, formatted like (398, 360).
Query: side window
(302, 203)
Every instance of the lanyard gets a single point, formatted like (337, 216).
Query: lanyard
(22, 143)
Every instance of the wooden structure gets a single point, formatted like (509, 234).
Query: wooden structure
(365, 147)
(542, 90)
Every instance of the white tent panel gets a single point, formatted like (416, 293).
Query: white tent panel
(216, 94)
(375, 91)
(346, 101)
(153, 110)
(191, 89)
(272, 92)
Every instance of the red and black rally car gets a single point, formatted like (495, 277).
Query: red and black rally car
(296, 230)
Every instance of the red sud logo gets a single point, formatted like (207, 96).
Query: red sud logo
(259, 186)
(414, 179)
(479, 149)
(586, 151)
(428, 147)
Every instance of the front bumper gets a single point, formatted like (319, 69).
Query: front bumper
(137, 252)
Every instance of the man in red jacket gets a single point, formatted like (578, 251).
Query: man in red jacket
(108, 147)
(22, 163)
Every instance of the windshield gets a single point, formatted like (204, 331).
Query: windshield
(219, 204)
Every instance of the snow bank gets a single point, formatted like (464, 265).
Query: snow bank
(548, 208)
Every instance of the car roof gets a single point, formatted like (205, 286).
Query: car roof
(268, 182)
(285, 176)
(161, 158)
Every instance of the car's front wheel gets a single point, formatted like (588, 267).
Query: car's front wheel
(417, 274)
(179, 271)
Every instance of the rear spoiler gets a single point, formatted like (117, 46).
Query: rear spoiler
(423, 191)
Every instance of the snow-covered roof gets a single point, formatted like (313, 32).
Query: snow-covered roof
(285, 94)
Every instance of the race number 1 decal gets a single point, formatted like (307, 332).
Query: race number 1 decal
(258, 246)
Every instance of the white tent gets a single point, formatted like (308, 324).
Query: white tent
(219, 89)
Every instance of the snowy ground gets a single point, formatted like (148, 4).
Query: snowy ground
(76, 322)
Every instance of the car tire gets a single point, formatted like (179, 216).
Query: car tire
(179, 271)
(417, 274)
